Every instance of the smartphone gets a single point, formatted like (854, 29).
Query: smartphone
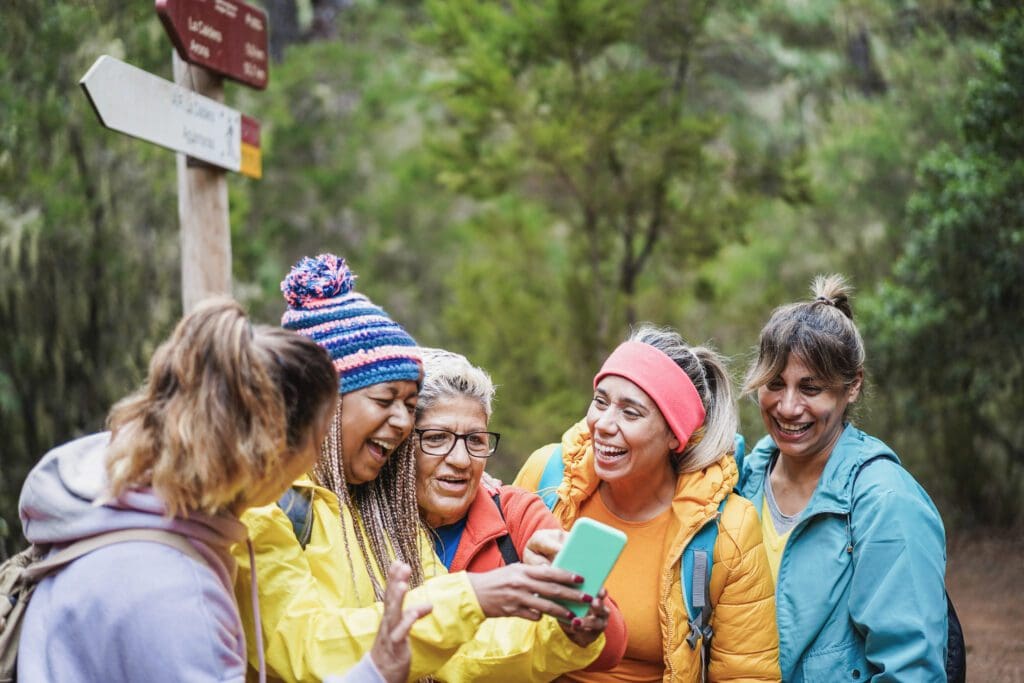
(590, 550)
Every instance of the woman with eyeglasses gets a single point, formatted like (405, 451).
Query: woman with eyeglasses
(321, 573)
(476, 526)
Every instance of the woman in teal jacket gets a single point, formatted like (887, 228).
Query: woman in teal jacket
(856, 546)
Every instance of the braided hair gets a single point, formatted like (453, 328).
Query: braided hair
(390, 525)
(367, 347)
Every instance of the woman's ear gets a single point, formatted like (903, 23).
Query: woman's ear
(853, 391)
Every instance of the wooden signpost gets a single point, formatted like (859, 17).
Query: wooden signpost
(137, 103)
(214, 39)
(228, 37)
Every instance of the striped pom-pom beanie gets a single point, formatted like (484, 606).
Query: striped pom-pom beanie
(367, 346)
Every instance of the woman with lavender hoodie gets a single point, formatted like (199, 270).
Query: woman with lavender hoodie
(229, 416)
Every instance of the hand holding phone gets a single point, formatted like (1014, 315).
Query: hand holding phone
(591, 551)
(543, 546)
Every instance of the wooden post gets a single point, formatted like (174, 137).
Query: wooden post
(202, 207)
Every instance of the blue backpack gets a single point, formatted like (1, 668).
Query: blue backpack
(695, 564)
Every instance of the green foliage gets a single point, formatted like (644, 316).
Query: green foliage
(585, 108)
(518, 181)
(343, 169)
(507, 313)
(86, 238)
(948, 324)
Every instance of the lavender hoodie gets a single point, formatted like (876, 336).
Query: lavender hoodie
(133, 611)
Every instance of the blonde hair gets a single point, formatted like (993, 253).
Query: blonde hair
(223, 406)
(820, 332)
(707, 370)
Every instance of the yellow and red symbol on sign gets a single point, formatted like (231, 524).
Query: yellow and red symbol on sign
(252, 157)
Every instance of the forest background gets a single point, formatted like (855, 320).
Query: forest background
(520, 181)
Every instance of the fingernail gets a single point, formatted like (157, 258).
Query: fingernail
(586, 598)
(577, 578)
(577, 622)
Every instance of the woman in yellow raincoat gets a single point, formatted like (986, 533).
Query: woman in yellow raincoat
(321, 577)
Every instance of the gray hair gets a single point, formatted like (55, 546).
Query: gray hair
(448, 375)
(706, 368)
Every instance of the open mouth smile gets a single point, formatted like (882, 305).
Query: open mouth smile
(608, 453)
(381, 449)
(792, 429)
(452, 482)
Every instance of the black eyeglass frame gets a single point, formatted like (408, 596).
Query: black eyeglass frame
(419, 434)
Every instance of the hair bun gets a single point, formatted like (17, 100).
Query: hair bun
(312, 279)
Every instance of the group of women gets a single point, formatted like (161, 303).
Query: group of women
(326, 471)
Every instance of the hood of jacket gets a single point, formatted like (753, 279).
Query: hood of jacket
(834, 492)
(64, 499)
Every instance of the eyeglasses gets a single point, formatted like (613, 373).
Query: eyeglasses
(441, 442)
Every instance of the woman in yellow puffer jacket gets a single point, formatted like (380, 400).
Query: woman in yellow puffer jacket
(320, 592)
(654, 458)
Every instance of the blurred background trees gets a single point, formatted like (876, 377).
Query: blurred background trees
(520, 181)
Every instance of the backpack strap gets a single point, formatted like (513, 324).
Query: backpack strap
(740, 451)
(956, 648)
(505, 544)
(22, 572)
(695, 574)
(37, 570)
(551, 478)
(297, 504)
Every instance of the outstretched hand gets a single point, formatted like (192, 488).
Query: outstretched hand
(390, 652)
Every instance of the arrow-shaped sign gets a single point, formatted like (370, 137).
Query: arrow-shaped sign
(228, 37)
(137, 103)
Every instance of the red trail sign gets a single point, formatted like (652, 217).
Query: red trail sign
(228, 37)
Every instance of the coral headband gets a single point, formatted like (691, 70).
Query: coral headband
(660, 378)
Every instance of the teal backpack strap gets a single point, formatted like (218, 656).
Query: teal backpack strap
(739, 452)
(695, 575)
(551, 478)
(297, 503)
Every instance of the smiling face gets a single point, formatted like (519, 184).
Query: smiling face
(803, 412)
(375, 420)
(446, 486)
(632, 441)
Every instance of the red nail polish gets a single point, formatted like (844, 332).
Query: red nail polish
(576, 622)
(586, 598)
(577, 578)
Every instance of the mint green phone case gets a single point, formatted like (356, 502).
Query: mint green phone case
(590, 551)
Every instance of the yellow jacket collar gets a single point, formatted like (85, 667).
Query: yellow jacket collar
(697, 494)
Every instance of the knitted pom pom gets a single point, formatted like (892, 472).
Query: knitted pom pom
(311, 279)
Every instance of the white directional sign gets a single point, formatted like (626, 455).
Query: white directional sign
(137, 103)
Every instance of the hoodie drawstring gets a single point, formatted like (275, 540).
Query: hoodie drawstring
(255, 596)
